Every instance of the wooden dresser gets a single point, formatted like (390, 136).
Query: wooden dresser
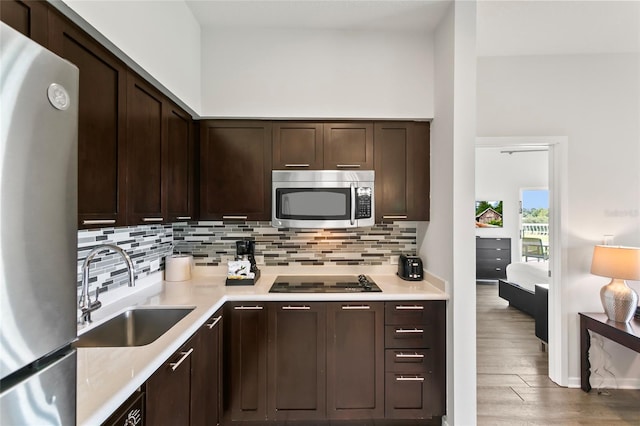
(492, 257)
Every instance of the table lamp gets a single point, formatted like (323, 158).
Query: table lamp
(618, 263)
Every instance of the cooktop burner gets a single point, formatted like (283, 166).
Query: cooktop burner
(323, 284)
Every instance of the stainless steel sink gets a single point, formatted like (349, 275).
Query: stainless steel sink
(134, 327)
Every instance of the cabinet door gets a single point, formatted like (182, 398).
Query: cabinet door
(355, 360)
(297, 361)
(235, 170)
(206, 374)
(27, 16)
(101, 125)
(297, 146)
(146, 149)
(402, 171)
(348, 146)
(130, 413)
(246, 356)
(180, 164)
(167, 390)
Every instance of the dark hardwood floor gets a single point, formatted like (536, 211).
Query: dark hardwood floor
(513, 383)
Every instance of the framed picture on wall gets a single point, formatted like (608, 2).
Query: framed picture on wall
(488, 214)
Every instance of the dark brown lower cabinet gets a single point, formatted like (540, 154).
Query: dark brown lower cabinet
(296, 378)
(355, 360)
(245, 361)
(206, 374)
(168, 390)
(130, 413)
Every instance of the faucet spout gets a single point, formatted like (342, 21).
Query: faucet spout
(86, 305)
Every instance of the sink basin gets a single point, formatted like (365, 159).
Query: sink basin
(134, 327)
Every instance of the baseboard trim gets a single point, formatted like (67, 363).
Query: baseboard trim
(606, 383)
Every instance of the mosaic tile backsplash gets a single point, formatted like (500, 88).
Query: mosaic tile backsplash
(213, 243)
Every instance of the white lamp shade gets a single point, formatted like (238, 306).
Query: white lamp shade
(616, 262)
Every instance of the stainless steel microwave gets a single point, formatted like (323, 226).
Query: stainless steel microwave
(322, 198)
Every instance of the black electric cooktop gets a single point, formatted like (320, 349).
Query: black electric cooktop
(323, 284)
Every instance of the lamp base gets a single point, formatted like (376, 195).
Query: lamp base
(618, 300)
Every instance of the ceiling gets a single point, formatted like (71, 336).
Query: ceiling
(504, 27)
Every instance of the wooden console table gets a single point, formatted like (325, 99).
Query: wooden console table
(625, 334)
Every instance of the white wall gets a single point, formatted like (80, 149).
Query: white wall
(316, 73)
(447, 241)
(595, 101)
(501, 177)
(163, 37)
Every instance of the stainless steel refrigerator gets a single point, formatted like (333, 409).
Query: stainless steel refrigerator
(38, 235)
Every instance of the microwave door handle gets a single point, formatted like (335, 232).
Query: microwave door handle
(353, 204)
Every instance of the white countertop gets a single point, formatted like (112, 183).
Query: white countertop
(108, 376)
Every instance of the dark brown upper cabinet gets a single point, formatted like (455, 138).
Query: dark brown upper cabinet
(402, 170)
(297, 145)
(27, 16)
(235, 170)
(101, 125)
(348, 145)
(146, 153)
(180, 171)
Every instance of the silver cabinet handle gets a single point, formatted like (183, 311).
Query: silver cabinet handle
(183, 217)
(296, 165)
(348, 166)
(215, 321)
(99, 222)
(498, 249)
(409, 308)
(400, 216)
(410, 379)
(235, 217)
(498, 269)
(409, 330)
(248, 308)
(185, 355)
(353, 203)
(296, 308)
(356, 307)
(403, 355)
(152, 219)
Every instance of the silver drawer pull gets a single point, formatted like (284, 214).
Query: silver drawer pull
(416, 355)
(99, 222)
(185, 355)
(409, 379)
(296, 165)
(348, 166)
(498, 258)
(183, 217)
(498, 269)
(355, 307)
(498, 249)
(400, 216)
(296, 308)
(409, 330)
(234, 217)
(152, 219)
(409, 308)
(215, 321)
(248, 308)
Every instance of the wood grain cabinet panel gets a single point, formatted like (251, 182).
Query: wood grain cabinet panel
(297, 145)
(297, 361)
(180, 173)
(402, 170)
(27, 16)
(235, 170)
(146, 153)
(101, 125)
(206, 374)
(348, 145)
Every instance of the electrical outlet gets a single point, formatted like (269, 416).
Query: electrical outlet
(259, 260)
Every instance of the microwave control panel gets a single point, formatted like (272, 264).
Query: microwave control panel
(363, 203)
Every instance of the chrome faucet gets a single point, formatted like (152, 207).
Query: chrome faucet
(85, 305)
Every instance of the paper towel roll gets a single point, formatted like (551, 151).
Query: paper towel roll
(178, 267)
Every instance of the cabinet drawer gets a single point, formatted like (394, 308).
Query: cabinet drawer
(504, 243)
(407, 361)
(493, 254)
(490, 272)
(406, 313)
(407, 336)
(407, 396)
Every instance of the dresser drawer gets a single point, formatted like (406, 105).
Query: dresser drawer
(407, 313)
(407, 336)
(493, 254)
(483, 243)
(408, 360)
(491, 271)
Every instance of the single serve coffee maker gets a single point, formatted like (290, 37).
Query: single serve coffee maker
(243, 270)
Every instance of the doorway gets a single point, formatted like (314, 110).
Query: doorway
(557, 147)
